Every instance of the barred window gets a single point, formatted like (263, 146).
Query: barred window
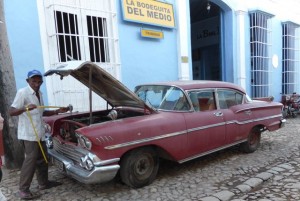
(260, 35)
(98, 42)
(68, 43)
(83, 30)
(67, 35)
(290, 58)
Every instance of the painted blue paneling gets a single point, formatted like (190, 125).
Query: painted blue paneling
(228, 46)
(189, 42)
(146, 60)
(24, 39)
(276, 87)
(142, 60)
(248, 54)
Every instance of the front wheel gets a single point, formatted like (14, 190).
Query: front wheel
(252, 142)
(139, 167)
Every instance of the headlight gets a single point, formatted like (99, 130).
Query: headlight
(84, 141)
(86, 163)
(89, 161)
(49, 141)
(47, 128)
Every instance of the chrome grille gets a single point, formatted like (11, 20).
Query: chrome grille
(70, 151)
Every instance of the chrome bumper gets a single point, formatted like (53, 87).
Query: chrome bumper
(282, 123)
(99, 174)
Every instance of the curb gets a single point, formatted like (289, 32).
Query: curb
(249, 184)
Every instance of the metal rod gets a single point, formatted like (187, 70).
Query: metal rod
(90, 94)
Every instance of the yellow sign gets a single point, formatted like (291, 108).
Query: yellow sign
(184, 59)
(149, 12)
(152, 34)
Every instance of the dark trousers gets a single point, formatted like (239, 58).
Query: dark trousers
(34, 162)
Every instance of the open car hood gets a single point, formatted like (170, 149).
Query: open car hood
(100, 82)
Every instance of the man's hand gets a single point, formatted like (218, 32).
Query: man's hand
(63, 109)
(30, 107)
(15, 112)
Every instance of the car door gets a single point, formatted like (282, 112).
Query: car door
(205, 126)
(237, 115)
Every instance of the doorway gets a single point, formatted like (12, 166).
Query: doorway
(205, 40)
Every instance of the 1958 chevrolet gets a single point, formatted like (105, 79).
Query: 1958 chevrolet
(178, 121)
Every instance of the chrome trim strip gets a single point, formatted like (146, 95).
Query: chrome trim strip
(256, 107)
(251, 120)
(270, 117)
(206, 127)
(144, 140)
(185, 132)
(107, 162)
(211, 151)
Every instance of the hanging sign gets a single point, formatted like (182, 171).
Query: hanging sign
(149, 12)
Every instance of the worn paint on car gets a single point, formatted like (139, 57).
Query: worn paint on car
(178, 121)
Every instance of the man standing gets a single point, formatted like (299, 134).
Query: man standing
(29, 99)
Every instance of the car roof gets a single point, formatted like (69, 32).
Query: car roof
(199, 84)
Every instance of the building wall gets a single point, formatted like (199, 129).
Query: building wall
(277, 51)
(145, 60)
(142, 59)
(24, 39)
(283, 11)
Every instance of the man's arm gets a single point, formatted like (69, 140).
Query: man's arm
(15, 112)
(55, 112)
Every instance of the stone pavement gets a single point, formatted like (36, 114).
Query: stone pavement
(270, 174)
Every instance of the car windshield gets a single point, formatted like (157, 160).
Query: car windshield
(163, 97)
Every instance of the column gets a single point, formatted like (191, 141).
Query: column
(241, 49)
(183, 39)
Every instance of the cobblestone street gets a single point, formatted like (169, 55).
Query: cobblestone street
(270, 173)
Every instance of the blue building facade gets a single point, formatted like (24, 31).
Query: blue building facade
(251, 43)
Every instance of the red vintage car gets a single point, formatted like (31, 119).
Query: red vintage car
(178, 121)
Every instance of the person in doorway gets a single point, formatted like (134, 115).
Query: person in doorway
(28, 100)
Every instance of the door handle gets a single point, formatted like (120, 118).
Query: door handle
(218, 114)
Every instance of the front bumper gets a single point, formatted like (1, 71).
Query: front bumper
(282, 123)
(103, 172)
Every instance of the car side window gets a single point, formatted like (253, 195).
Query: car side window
(203, 100)
(229, 98)
(174, 99)
(163, 97)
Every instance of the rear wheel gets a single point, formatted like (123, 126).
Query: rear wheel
(139, 167)
(252, 142)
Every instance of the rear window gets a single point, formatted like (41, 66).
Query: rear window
(229, 98)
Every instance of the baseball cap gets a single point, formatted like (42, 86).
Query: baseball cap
(34, 73)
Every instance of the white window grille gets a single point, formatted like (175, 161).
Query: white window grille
(83, 30)
(98, 42)
(67, 36)
(260, 42)
(290, 58)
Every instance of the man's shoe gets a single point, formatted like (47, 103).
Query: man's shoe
(50, 184)
(27, 195)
